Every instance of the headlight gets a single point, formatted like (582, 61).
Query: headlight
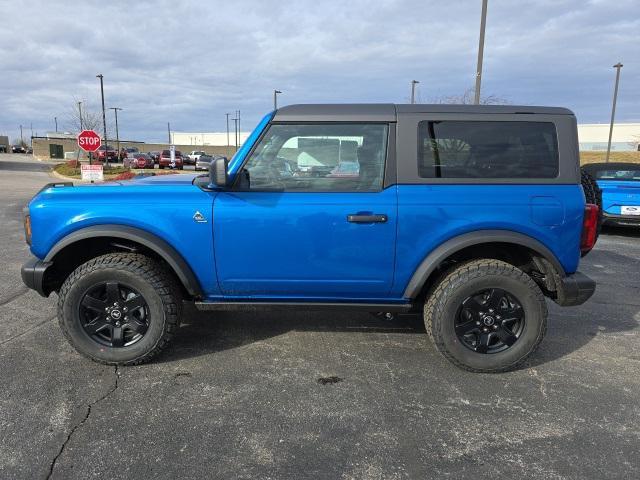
(27, 228)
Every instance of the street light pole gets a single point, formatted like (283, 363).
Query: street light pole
(104, 118)
(80, 113)
(617, 66)
(169, 130)
(275, 99)
(21, 139)
(483, 23)
(413, 90)
(55, 119)
(115, 110)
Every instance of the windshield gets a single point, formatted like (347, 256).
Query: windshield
(620, 173)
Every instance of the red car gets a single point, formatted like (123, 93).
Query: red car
(106, 151)
(138, 160)
(165, 160)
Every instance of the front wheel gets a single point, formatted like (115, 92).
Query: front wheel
(486, 316)
(119, 309)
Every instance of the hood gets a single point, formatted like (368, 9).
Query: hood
(171, 179)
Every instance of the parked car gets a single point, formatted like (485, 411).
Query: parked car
(204, 161)
(193, 157)
(106, 152)
(154, 155)
(29, 151)
(468, 214)
(165, 160)
(18, 149)
(620, 186)
(138, 160)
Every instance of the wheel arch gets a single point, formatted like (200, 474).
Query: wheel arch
(485, 242)
(100, 239)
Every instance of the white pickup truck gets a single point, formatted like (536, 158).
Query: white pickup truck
(194, 156)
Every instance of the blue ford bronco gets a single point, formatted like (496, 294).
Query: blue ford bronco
(469, 215)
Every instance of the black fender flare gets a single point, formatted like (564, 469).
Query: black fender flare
(455, 244)
(153, 242)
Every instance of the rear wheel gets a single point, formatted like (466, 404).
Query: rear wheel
(486, 316)
(120, 309)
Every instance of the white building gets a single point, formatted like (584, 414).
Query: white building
(218, 139)
(594, 136)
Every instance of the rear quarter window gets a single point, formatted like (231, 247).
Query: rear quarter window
(487, 149)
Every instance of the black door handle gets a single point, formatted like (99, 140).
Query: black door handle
(357, 218)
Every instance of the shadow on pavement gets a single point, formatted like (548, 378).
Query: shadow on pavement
(203, 333)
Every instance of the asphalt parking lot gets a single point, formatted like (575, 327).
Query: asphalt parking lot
(239, 396)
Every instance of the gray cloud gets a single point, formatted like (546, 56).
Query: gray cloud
(190, 62)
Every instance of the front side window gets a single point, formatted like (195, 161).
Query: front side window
(490, 149)
(319, 157)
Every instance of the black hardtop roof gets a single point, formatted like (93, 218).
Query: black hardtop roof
(594, 167)
(389, 111)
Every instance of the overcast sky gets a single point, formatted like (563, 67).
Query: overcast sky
(190, 62)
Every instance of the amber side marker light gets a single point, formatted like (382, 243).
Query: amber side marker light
(27, 228)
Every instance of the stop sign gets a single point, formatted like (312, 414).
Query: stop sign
(89, 141)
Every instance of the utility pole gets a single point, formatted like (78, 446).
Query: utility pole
(275, 99)
(483, 23)
(55, 119)
(115, 110)
(617, 66)
(169, 130)
(413, 90)
(104, 119)
(238, 143)
(235, 121)
(80, 113)
(31, 135)
(228, 145)
(21, 139)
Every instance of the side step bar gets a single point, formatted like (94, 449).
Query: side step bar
(253, 306)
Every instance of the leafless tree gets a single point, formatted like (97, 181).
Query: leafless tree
(91, 120)
(467, 98)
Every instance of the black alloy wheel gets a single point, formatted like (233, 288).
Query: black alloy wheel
(114, 314)
(490, 321)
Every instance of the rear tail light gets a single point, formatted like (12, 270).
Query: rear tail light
(589, 227)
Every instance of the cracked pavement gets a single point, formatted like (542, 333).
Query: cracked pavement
(253, 395)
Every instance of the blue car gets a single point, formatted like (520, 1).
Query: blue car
(467, 215)
(620, 186)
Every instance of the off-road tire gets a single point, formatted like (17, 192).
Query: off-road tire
(153, 281)
(593, 195)
(454, 286)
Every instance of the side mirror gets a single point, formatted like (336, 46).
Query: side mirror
(218, 175)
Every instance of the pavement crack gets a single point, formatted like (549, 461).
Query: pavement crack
(543, 385)
(82, 422)
(30, 329)
(11, 297)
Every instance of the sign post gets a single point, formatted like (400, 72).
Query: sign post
(90, 141)
(172, 156)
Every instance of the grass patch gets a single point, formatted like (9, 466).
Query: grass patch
(118, 172)
(595, 157)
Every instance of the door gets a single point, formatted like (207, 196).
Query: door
(309, 217)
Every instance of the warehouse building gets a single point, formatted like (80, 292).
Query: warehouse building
(214, 139)
(594, 136)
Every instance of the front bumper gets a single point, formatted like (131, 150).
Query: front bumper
(33, 274)
(575, 289)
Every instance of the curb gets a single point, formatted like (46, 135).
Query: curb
(55, 174)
